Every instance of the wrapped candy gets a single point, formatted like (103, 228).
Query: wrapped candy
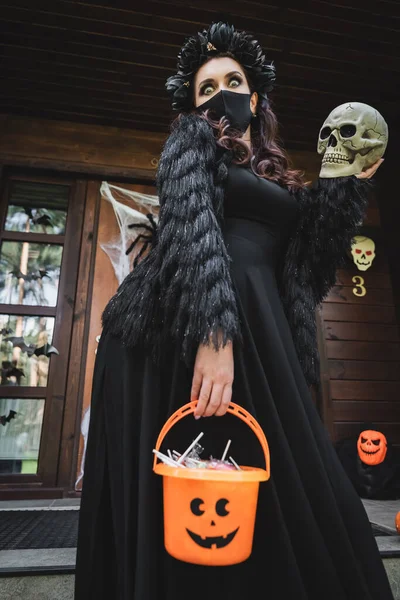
(220, 465)
(191, 458)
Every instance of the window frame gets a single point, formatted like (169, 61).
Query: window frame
(55, 391)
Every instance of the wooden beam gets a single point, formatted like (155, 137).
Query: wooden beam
(362, 350)
(117, 23)
(344, 294)
(26, 310)
(358, 314)
(135, 90)
(372, 332)
(34, 110)
(78, 147)
(364, 370)
(33, 238)
(365, 390)
(110, 152)
(344, 410)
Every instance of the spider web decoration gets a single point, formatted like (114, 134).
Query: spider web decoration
(135, 227)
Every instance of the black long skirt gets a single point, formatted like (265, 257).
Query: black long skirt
(312, 538)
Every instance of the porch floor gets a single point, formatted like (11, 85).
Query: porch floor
(381, 514)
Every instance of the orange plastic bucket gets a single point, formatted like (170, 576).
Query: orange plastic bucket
(209, 515)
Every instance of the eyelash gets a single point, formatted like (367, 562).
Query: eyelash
(208, 85)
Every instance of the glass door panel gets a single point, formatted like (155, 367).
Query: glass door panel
(40, 224)
(29, 273)
(26, 349)
(21, 421)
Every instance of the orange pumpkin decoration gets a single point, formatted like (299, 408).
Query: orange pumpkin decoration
(397, 522)
(209, 515)
(372, 447)
(209, 525)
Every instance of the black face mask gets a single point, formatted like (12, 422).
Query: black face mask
(232, 105)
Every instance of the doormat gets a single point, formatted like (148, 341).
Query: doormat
(41, 529)
(29, 529)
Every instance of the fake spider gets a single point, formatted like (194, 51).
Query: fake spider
(146, 239)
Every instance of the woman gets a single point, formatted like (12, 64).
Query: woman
(221, 309)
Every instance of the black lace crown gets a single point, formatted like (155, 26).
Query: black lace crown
(219, 38)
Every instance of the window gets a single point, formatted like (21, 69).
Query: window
(41, 219)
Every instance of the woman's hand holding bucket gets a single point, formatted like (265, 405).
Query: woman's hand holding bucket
(212, 380)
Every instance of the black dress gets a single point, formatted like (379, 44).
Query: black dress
(313, 540)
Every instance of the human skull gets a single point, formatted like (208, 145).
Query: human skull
(353, 137)
(363, 252)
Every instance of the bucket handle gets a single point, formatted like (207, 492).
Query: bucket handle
(234, 409)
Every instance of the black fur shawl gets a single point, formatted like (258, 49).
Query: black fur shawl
(330, 214)
(182, 290)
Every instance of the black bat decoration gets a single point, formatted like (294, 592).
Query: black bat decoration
(6, 419)
(42, 220)
(9, 369)
(19, 342)
(5, 331)
(45, 350)
(38, 218)
(33, 276)
(18, 274)
(30, 349)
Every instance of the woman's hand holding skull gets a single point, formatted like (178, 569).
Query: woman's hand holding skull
(370, 171)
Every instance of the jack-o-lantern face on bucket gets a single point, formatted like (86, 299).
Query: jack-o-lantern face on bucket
(214, 515)
(372, 447)
(209, 522)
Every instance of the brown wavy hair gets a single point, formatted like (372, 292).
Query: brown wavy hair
(266, 157)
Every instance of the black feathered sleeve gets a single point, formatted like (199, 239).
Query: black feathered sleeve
(330, 214)
(182, 290)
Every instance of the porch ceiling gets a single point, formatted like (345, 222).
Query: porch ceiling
(105, 61)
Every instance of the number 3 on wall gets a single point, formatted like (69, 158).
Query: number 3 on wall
(359, 290)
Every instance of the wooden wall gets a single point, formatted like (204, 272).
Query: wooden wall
(362, 348)
(90, 149)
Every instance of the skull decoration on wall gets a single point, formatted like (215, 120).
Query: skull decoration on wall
(353, 137)
(363, 252)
